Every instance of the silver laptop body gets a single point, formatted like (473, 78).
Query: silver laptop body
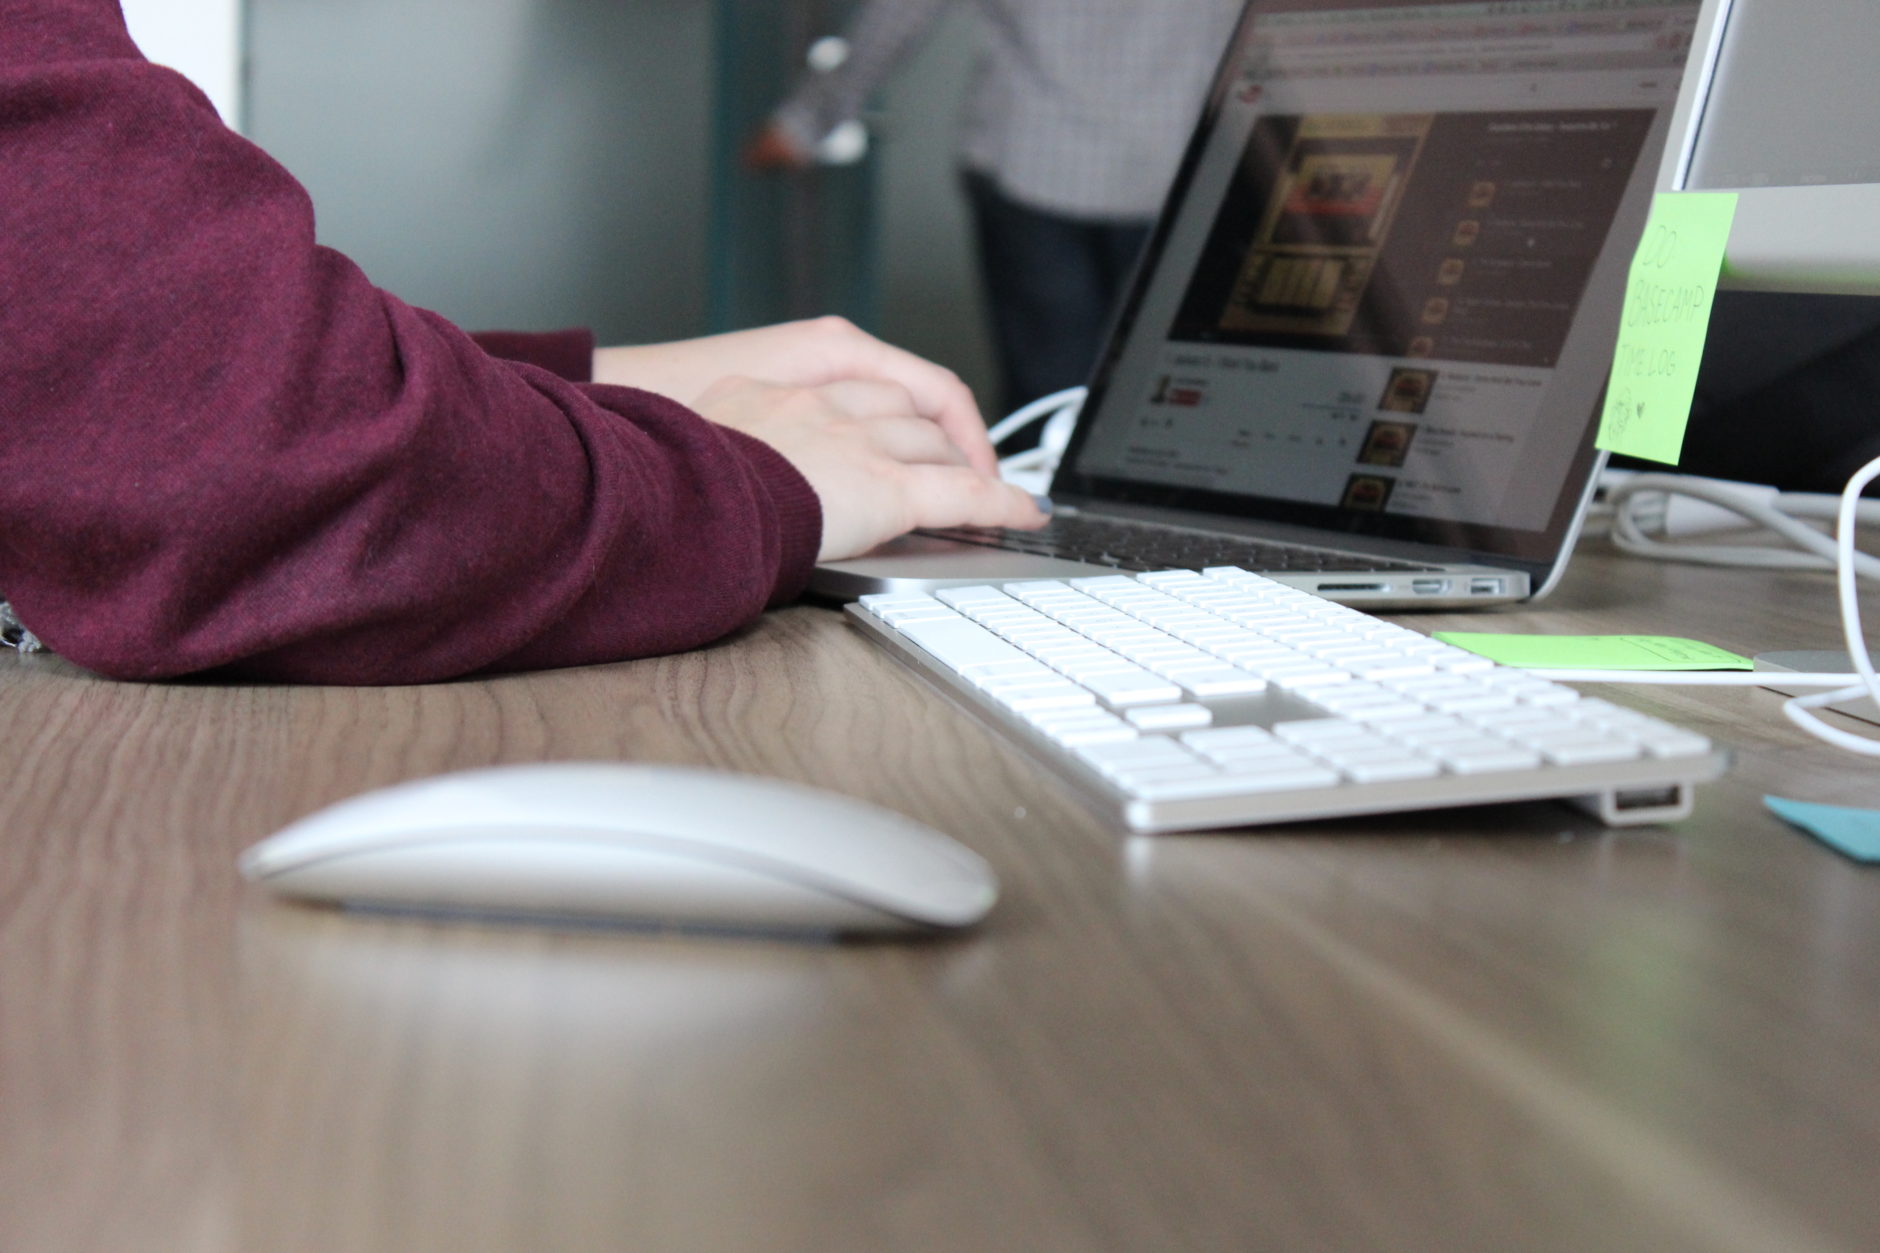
(1373, 325)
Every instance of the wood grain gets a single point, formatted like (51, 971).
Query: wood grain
(1494, 1029)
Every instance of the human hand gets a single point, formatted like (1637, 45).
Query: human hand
(773, 148)
(878, 467)
(803, 354)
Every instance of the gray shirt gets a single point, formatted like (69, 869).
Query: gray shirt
(1077, 107)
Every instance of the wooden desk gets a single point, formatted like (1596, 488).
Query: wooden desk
(1491, 1030)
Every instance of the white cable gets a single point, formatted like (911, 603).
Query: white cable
(1034, 468)
(1645, 502)
(1695, 678)
(1820, 505)
(1800, 709)
(1031, 459)
(1864, 681)
(1043, 407)
(1630, 495)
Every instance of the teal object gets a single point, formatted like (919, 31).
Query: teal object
(1853, 832)
(782, 245)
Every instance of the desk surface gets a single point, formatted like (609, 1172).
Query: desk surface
(1488, 1030)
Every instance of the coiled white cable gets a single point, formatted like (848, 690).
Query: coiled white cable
(1848, 564)
(1649, 509)
(1043, 407)
(1033, 468)
(1800, 709)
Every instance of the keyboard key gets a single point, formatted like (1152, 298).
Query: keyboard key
(1322, 730)
(961, 644)
(1219, 681)
(1468, 701)
(1150, 750)
(1227, 737)
(895, 600)
(1135, 686)
(1073, 715)
(1480, 756)
(1588, 752)
(1169, 772)
(901, 615)
(1036, 676)
(1428, 729)
(1389, 769)
(1093, 733)
(1061, 695)
(1179, 717)
(1670, 741)
(1308, 679)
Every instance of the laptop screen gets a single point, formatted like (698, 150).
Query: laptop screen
(1383, 295)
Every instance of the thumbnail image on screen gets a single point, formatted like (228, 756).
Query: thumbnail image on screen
(1463, 236)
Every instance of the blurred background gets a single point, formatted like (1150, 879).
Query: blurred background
(529, 164)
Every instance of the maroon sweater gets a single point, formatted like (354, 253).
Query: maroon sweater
(221, 448)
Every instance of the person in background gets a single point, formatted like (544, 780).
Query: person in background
(1074, 122)
(223, 450)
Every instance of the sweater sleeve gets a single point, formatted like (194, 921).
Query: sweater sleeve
(569, 353)
(222, 449)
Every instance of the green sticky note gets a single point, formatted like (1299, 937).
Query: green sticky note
(1597, 652)
(1855, 832)
(1661, 335)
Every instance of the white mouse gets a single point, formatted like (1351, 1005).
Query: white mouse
(650, 845)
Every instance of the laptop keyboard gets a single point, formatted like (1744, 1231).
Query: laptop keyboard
(1146, 546)
(1185, 700)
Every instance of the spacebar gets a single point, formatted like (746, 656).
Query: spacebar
(965, 646)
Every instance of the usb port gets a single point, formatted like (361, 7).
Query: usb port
(1429, 587)
(1485, 587)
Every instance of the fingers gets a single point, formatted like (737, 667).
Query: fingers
(868, 399)
(877, 469)
(940, 396)
(914, 441)
(826, 352)
(937, 393)
(943, 496)
(886, 410)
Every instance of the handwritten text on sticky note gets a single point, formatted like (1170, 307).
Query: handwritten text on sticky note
(1661, 335)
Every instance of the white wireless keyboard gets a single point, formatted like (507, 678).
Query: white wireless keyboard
(1182, 701)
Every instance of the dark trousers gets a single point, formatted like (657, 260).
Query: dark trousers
(1051, 285)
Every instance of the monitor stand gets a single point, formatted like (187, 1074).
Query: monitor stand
(1822, 662)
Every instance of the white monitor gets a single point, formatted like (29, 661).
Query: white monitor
(1780, 104)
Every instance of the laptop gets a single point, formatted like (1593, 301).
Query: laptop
(1366, 346)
